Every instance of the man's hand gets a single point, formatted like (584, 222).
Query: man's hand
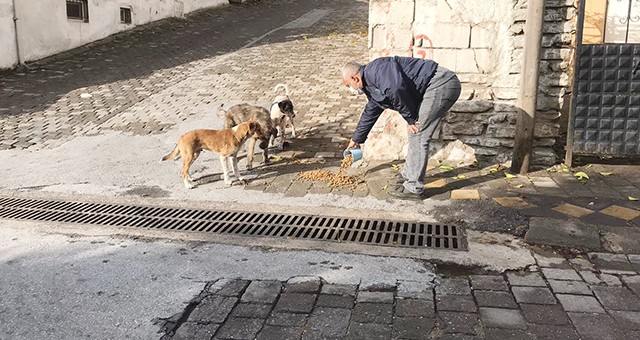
(413, 128)
(352, 145)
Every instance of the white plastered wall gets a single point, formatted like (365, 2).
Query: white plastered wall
(44, 29)
(8, 54)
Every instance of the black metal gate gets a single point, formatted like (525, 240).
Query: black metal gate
(606, 103)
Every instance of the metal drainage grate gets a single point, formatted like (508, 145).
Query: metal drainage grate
(378, 232)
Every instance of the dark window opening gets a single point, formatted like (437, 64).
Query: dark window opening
(125, 15)
(78, 9)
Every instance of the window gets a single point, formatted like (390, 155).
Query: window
(611, 21)
(78, 9)
(125, 15)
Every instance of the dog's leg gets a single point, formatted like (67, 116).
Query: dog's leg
(280, 136)
(236, 171)
(225, 169)
(293, 128)
(265, 154)
(187, 160)
(250, 150)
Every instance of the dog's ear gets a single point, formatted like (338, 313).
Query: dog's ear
(254, 126)
(222, 113)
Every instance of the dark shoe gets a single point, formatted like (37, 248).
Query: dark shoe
(400, 192)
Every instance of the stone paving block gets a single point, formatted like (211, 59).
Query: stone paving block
(622, 240)
(570, 287)
(262, 292)
(382, 297)
(533, 295)
(228, 287)
(458, 336)
(213, 309)
(635, 260)
(298, 189)
(511, 334)
(626, 319)
(372, 313)
(580, 303)
(282, 333)
(553, 332)
(456, 303)
(413, 328)
(465, 194)
(240, 328)
(335, 301)
(303, 284)
(551, 261)
(191, 330)
(592, 278)
(596, 326)
(633, 283)
(563, 233)
(415, 290)
(435, 183)
(544, 314)
(251, 310)
(572, 210)
(530, 279)
(561, 274)
(453, 286)
(502, 318)
(415, 308)
(287, 319)
(581, 264)
(338, 289)
(295, 303)
(459, 323)
(488, 282)
(325, 154)
(622, 213)
(495, 299)
(330, 322)
(612, 263)
(368, 331)
(511, 202)
(617, 298)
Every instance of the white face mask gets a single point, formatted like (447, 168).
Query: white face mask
(355, 92)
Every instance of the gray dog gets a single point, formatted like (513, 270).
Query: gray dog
(241, 113)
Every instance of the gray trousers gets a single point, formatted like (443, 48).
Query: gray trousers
(443, 91)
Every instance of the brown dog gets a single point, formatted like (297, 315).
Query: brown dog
(225, 143)
(244, 112)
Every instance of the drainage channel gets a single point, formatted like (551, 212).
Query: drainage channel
(257, 224)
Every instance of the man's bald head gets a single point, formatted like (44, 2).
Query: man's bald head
(350, 69)
(352, 75)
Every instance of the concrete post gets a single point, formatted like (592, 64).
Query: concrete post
(528, 93)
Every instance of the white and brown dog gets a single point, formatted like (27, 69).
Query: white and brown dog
(282, 112)
(226, 143)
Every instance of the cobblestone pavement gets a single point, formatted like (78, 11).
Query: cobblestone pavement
(597, 297)
(147, 79)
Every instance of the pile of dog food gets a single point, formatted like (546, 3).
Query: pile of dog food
(335, 180)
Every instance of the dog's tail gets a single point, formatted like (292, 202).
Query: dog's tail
(221, 111)
(172, 155)
(286, 88)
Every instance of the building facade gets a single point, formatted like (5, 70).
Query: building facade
(34, 29)
(484, 44)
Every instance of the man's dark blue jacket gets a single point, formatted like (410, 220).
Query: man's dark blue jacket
(396, 83)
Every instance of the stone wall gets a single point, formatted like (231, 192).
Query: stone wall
(483, 44)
